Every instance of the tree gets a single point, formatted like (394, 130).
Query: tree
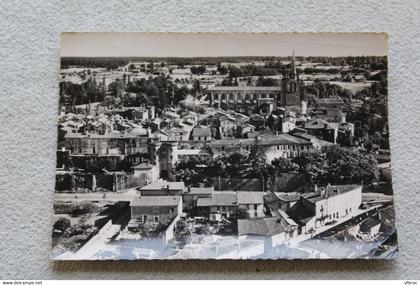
(284, 165)
(337, 165)
(62, 224)
(198, 70)
(222, 69)
(348, 166)
(313, 165)
(180, 94)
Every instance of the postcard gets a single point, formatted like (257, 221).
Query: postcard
(223, 146)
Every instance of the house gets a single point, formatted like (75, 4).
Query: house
(227, 126)
(159, 135)
(326, 205)
(201, 133)
(139, 115)
(274, 231)
(345, 133)
(257, 120)
(224, 204)
(192, 194)
(163, 188)
(252, 203)
(171, 115)
(221, 205)
(245, 129)
(98, 127)
(331, 115)
(139, 131)
(280, 200)
(322, 129)
(114, 144)
(186, 154)
(316, 142)
(329, 102)
(369, 228)
(376, 123)
(191, 117)
(275, 146)
(143, 174)
(178, 134)
(286, 123)
(154, 210)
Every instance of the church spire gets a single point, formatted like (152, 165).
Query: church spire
(293, 66)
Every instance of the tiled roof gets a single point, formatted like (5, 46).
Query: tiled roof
(113, 135)
(244, 88)
(250, 197)
(288, 197)
(261, 226)
(201, 131)
(318, 124)
(220, 198)
(156, 201)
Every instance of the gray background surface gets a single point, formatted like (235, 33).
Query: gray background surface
(29, 61)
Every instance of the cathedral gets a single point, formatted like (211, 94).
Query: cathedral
(288, 93)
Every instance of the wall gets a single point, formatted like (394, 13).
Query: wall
(29, 49)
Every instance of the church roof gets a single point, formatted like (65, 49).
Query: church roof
(244, 88)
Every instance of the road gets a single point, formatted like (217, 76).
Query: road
(125, 196)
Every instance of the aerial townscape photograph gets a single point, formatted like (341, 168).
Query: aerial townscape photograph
(223, 146)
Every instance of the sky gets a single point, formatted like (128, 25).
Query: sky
(219, 44)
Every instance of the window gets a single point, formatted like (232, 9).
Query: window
(255, 207)
(93, 150)
(255, 215)
(156, 219)
(278, 147)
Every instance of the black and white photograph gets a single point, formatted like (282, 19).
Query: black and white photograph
(223, 146)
